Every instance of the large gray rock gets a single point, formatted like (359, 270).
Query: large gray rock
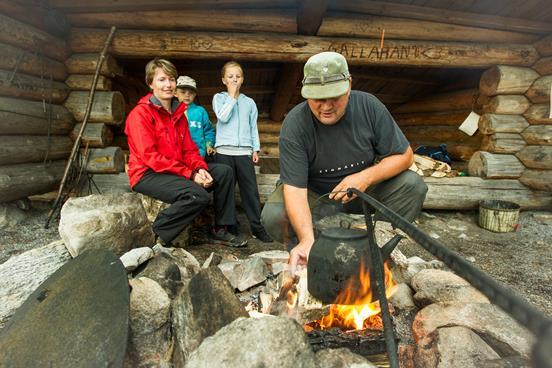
(186, 262)
(150, 338)
(497, 328)
(453, 347)
(402, 297)
(269, 342)
(341, 358)
(10, 215)
(204, 306)
(163, 270)
(250, 272)
(438, 286)
(114, 222)
(22, 274)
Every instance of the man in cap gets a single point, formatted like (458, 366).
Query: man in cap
(335, 140)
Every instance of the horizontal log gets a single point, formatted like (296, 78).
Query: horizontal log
(108, 107)
(120, 141)
(506, 80)
(506, 104)
(537, 179)
(250, 20)
(32, 39)
(83, 82)
(544, 66)
(463, 193)
(385, 8)
(270, 149)
(495, 166)
(109, 160)
(457, 100)
(268, 126)
(269, 138)
(23, 61)
(538, 135)
(503, 143)
(95, 135)
(347, 25)
(110, 183)
(538, 114)
(544, 46)
(456, 151)
(501, 123)
(23, 180)
(438, 133)
(33, 88)
(46, 19)
(459, 193)
(33, 148)
(536, 157)
(454, 118)
(34, 108)
(539, 92)
(12, 123)
(273, 47)
(86, 64)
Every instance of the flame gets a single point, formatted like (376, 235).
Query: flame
(353, 308)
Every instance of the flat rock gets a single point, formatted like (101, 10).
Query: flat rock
(135, 257)
(227, 269)
(272, 256)
(438, 286)
(251, 272)
(271, 342)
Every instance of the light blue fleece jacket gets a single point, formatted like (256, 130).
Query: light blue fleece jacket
(236, 121)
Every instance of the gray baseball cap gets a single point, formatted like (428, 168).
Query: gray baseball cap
(326, 75)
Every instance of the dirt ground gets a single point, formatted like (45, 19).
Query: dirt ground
(521, 259)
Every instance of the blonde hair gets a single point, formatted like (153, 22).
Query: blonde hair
(230, 64)
(166, 65)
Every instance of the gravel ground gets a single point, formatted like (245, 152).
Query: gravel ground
(521, 259)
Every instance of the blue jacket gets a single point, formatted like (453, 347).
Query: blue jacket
(201, 130)
(236, 121)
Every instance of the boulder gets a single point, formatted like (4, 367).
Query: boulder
(163, 270)
(114, 222)
(402, 297)
(135, 257)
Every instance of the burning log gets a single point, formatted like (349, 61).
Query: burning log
(364, 342)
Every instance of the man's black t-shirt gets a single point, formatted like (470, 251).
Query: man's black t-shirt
(318, 156)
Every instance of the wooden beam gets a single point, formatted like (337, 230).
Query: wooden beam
(273, 47)
(289, 76)
(244, 20)
(363, 75)
(384, 8)
(345, 25)
(48, 20)
(309, 16)
(32, 88)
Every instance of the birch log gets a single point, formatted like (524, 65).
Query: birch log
(506, 104)
(495, 166)
(23, 61)
(506, 80)
(538, 114)
(83, 82)
(32, 148)
(500, 123)
(23, 180)
(96, 135)
(544, 66)
(503, 143)
(108, 107)
(32, 88)
(537, 179)
(109, 160)
(17, 124)
(539, 92)
(538, 135)
(86, 64)
(536, 157)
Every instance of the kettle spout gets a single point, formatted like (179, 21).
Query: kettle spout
(389, 246)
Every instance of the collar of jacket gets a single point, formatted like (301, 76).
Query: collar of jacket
(175, 104)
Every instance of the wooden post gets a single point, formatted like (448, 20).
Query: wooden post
(26, 62)
(538, 114)
(506, 80)
(506, 104)
(539, 92)
(12, 123)
(108, 107)
(500, 123)
(96, 135)
(503, 143)
(289, 76)
(538, 135)
(33, 88)
(495, 166)
(536, 157)
(19, 149)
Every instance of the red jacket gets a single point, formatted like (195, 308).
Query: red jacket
(160, 141)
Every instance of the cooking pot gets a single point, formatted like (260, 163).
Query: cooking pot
(336, 257)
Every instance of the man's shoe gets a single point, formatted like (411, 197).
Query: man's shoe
(221, 235)
(262, 235)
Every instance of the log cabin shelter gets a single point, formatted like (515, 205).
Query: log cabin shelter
(430, 62)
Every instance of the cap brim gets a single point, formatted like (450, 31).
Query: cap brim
(186, 86)
(322, 91)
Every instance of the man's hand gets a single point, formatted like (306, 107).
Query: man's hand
(360, 181)
(203, 178)
(300, 254)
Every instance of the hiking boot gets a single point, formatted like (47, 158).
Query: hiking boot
(221, 235)
(262, 235)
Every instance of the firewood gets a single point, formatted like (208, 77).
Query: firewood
(506, 80)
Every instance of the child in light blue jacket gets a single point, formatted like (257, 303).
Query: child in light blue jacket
(237, 142)
(201, 130)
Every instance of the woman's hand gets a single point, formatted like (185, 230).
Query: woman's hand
(203, 178)
(255, 157)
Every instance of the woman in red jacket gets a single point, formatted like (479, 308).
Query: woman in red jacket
(165, 164)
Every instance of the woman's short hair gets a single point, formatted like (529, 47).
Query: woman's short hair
(230, 64)
(166, 65)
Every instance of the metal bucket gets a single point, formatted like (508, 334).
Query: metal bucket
(498, 216)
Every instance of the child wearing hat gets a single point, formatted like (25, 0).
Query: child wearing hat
(201, 130)
(238, 142)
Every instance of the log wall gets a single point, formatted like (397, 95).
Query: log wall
(34, 126)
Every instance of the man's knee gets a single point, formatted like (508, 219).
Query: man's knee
(414, 184)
